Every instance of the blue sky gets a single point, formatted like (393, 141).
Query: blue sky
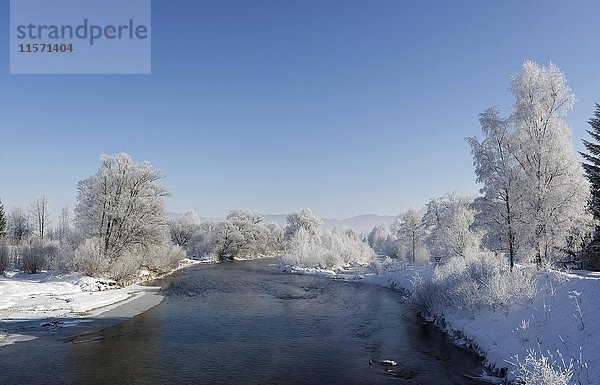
(346, 107)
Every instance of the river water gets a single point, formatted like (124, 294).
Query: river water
(247, 323)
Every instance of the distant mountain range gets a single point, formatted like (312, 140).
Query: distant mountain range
(358, 223)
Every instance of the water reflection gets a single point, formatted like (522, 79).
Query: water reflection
(124, 353)
(244, 323)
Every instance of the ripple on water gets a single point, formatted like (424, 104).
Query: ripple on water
(245, 323)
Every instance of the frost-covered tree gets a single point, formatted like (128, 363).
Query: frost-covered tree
(122, 205)
(63, 229)
(382, 240)
(17, 225)
(344, 248)
(249, 226)
(202, 244)
(184, 228)
(276, 242)
(307, 245)
(303, 249)
(448, 221)
(534, 194)
(39, 215)
(243, 235)
(90, 259)
(495, 169)
(553, 192)
(257, 238)
(305, 219)
(245, 217)
(411, 233)
(430, 219)
(331, 250)
(2, 220)
(37, 255)
(227, 241)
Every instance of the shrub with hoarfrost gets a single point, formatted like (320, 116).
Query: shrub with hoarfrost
(37, 255)
(478, 281)
(157, 259)
(164, 257)
(346, 248)
(63, 260)
(126, 266)
(425, 296)
(303, 249)
(542, 369)
(89, 258)
(327, 251)
(380, 265)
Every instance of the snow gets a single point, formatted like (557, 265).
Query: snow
(76, 297)
(552, 326)
(485, 377)
(25, 297)
(551, 323)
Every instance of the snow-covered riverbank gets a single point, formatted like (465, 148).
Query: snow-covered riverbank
(74, 298)
(550, 324)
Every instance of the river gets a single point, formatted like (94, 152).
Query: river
(247, 323)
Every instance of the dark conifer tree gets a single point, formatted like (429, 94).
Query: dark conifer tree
(591, 166)
(2, 220)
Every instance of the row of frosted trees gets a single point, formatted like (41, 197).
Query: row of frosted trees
(534, 205)
(244, 234)
(30, 241)
(444, 231)
(18, 224)
(535, 200)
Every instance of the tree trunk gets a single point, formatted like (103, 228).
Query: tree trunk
(511, 234)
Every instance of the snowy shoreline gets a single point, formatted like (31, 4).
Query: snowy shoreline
(69, 300)
(549, 325)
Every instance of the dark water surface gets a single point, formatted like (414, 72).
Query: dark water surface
(245, 323)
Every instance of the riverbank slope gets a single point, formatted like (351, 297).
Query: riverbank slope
(550, 325)
(63, 301)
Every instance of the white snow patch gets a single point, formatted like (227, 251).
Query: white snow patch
(26, 297)
(9, 339)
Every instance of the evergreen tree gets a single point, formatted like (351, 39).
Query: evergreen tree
(592, 170)
(592, 167)
(2, 220)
